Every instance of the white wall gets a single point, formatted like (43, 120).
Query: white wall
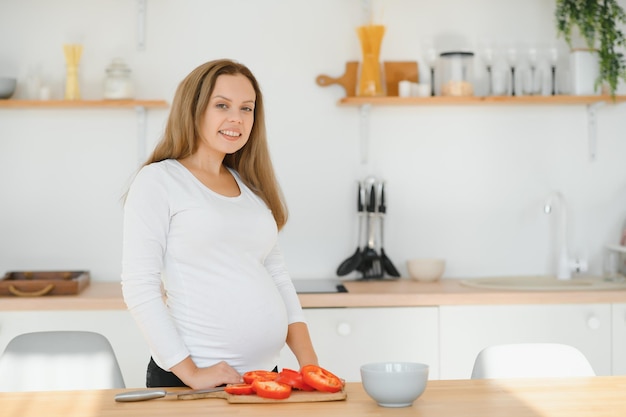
(464, 183)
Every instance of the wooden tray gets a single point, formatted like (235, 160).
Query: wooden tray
(39, 283)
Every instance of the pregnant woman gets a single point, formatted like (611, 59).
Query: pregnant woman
(202, 272)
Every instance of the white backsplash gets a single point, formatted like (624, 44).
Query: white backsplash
(463, 183)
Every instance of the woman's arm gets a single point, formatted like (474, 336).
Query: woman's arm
(145, 230)
(298, 337)
(299, 341)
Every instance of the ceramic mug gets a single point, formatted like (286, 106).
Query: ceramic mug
(404, 88)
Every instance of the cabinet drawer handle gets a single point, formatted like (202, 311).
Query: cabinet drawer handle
(344, 329)
(593, 323)
(45, 290)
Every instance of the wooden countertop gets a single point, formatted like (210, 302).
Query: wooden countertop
(407, 292)
(560, 397)
(398, 293)
(96, 296)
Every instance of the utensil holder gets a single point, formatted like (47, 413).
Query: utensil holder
(370, 258)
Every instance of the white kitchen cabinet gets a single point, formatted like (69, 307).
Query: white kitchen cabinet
(466, 330)
(619, 339)
(346, 338)
(117, 325)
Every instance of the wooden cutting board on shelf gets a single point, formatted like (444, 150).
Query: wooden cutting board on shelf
(347, 80)
(393, 72)
(396, 71)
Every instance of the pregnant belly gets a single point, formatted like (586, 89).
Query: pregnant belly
(247, 330)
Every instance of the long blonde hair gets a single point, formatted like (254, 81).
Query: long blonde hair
(252, 161)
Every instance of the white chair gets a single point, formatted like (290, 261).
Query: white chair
(531, 360)
(59, 360)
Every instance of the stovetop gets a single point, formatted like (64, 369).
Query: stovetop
(318, 285)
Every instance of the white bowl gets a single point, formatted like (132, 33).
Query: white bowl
(394, 384)
(7, 87)
(426, 269)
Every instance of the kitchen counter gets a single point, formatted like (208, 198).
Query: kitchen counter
(410, 293)
(398, 293)
(561, 397)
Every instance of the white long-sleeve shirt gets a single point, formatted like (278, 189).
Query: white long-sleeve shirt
(229, 295)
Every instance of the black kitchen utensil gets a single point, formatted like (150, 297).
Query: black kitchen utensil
(370, 265)
(388, 266)
(351, 263)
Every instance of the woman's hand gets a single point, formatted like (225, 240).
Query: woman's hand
(203, 378)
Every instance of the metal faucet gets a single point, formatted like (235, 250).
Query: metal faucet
(564, 264)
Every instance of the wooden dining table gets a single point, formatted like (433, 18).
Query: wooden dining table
(601, 396)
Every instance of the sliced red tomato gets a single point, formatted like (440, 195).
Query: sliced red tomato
(321, 379)
(251, 376)
(293, 379)
(271, 389)
(239, 389)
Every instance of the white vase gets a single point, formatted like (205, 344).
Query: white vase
(584, 71)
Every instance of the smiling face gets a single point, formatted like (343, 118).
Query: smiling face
(229, 116)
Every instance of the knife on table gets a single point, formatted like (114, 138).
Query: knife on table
(143, 395)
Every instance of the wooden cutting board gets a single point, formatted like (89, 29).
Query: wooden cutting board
(347, 80)
(393, 71)
(396, 71)
(295, 397)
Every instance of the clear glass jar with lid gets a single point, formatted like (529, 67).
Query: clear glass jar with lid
(457, 73)
(118, 84)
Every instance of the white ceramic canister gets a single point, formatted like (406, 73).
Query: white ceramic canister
(584, 71)
(118, 84)
(404, 88)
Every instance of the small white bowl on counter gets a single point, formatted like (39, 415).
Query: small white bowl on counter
(394, 384)
(7, 87)
(426, 269)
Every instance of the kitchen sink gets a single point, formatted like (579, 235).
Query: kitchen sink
(545, 283)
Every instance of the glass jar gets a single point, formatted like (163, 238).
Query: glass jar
(118, 84)
(370, 76)
(457, 73)
(613, 263)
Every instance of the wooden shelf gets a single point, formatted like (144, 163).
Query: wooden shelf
(140, 106)
(490, 100)
(76, 104)
(592, 102)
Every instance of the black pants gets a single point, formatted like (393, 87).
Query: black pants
(159, 377)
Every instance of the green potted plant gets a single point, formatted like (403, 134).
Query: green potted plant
(598, 23)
